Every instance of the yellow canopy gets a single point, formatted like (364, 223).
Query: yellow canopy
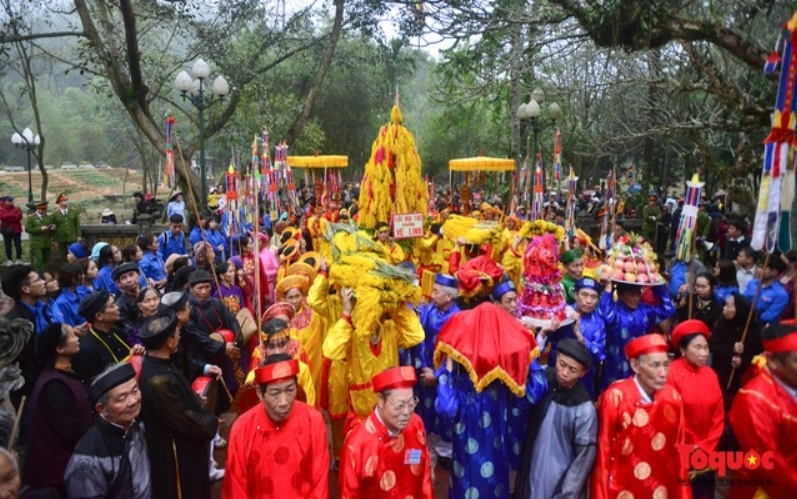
(481, 164)
(318, 161)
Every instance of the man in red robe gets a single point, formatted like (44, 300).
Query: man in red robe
(640, 429)
(764, 419)
(386, 455)
(278, 449)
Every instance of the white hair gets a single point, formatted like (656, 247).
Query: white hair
(454, 292)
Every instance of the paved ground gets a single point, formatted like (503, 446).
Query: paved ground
(440, 490)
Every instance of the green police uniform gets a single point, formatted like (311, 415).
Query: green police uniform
(649, 228)
(67, 229)
(40, 241)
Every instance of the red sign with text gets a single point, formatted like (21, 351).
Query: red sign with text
(407, 225)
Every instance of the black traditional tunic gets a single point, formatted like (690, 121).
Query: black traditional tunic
(179, 429)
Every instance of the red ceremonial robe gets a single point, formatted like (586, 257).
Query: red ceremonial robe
(267, 461)
(638, 444)
(374, 465)
(702, 401)
(764, 418)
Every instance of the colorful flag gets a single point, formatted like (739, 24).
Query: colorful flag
(687, 225)
(570, 214)
(557, 156)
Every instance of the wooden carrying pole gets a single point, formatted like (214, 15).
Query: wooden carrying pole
(749, 319)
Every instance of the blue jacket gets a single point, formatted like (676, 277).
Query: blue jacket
(105, 281)
(771, 301)
(152, 266)
(69, 302)
(170, 245)
(216, 239)
(195, 236)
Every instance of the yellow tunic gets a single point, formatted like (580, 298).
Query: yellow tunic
(317, 227)
(311, 337)
(368, 357)
(393, 253)
(513, 265)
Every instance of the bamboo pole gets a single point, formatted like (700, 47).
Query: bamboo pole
(749, 318)
(15, 429)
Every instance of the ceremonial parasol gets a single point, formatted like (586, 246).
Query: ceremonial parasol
(476, 170)
(490, 344)
(330, 185)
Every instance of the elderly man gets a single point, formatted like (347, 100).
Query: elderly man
(434, 315)
(641, 427)
(179, 425)
(386, 456)
(104, 344)
(764, 419)
(560, 446)
(126, 277)
(279, 447)
(111, 460)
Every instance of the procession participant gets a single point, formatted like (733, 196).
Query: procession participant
(369, 352)
(433, 317)
(772, 297)
(504, 295)
(147, 301)
(288, 253)
(306, 326)
(589, 328)
(178, 425)
(67, 225)
(104, 344)
(702, 397)
(560, 446)
(276, 333)
(626, 319)
(125, 277)
(152, 264)
(228, 291)
(209, 315)
(40, 228)
(246, 261)
(111, 460)
(651, 214)
(764, 418)
(705, 306)
(278, 448)
(173, 240)
(204, 257)
(728, 353)
(573, 261)
(59, 410)
(641, 427)
(386, 455)
(391, 251)
(476, 279)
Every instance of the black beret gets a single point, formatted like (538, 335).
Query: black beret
(576, 351)
(159, 325)
(110, 379)
(124, 269)
(47, 341)
(92, 303)
(200, 276)
(174, 300)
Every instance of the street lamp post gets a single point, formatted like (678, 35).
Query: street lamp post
(194, 91)
(28, 142)
(531, 111)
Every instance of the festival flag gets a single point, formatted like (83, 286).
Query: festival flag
(685, 237)
(605, 241)
(231, 193)
(539, 190)
(557, 156)
(570, 214)
(168, 170)
(776, 195)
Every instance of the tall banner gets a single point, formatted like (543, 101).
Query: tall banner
(685, 237)
(570, 214)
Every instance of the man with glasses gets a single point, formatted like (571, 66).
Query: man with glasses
(386, 455)
(641, 428)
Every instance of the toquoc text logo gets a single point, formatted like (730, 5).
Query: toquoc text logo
(722, 461)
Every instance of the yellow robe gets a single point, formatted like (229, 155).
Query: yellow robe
(311, 337)
(344, 341)
(317, 227)
(392, 253)
(513, 264)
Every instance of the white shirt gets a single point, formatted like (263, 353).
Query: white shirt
(743, 277)
(645, 397)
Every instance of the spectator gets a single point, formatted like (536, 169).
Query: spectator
(152, 265)
(11, 228)
(69, 277)
(725, 272)
(745, 266)
(789, 281)
(176, 204)
(75, 252)
(736, 239)
(772, 298)
(108, 217)
(173, 240)
(110, 258)
(90, 273)
(67, 225)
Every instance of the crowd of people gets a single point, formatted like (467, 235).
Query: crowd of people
(121, 362)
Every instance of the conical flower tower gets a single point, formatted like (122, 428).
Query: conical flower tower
(392, 182)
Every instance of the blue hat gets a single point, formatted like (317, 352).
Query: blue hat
(446, 280)
(589, 283)
(78, 250)
(503, 288)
